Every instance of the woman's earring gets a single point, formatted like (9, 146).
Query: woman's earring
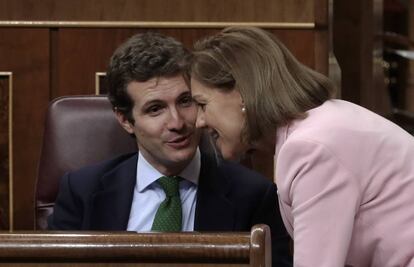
(243, 109)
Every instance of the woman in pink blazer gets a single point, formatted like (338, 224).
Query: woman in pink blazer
(345, 175)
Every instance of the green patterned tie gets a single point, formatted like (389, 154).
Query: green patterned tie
(169, 215)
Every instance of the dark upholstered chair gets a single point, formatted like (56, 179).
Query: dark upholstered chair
(79, 130)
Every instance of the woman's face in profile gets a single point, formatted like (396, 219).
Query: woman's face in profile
(221, 114)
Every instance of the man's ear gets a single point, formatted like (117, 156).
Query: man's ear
(124, 122)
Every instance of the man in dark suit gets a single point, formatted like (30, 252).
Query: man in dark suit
(152, 102)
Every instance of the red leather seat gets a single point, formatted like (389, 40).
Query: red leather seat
(79, 130)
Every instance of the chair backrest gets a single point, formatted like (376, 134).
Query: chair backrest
(137, 249)
(79, 130)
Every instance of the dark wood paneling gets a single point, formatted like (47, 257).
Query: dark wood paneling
(25, 53)
(321, 44)
(5, 82)
(159, 10)
(92, 49)
(302, 45)
(359, 53)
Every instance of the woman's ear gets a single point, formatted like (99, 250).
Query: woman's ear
(124, 122)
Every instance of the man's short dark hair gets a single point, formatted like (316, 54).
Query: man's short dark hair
(142, 57)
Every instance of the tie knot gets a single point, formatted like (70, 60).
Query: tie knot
(170, 185)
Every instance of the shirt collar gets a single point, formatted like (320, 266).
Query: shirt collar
(147, 174)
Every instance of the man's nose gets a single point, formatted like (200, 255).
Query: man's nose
(176, 120)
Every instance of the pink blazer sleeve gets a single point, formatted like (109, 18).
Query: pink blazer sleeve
(319, 198)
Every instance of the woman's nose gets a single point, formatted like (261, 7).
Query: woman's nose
(200, 122)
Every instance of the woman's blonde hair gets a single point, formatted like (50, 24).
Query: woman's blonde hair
(275, 87)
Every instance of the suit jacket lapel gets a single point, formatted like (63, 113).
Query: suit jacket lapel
(111, 206)
(214, 211)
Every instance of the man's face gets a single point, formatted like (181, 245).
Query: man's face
(164, 127)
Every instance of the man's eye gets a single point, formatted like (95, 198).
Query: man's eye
(154, 109)
(186, 101)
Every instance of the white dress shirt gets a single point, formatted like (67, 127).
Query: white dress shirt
(148, 195)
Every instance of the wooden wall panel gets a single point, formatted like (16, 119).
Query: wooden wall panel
(5, 155)
(361, 59)
(92, 48)
(159, 10)
(25, 53)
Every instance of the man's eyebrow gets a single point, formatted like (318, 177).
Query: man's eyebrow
(185, 93)
(151, 102)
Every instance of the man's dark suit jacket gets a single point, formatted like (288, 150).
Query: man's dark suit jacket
(230, 197)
